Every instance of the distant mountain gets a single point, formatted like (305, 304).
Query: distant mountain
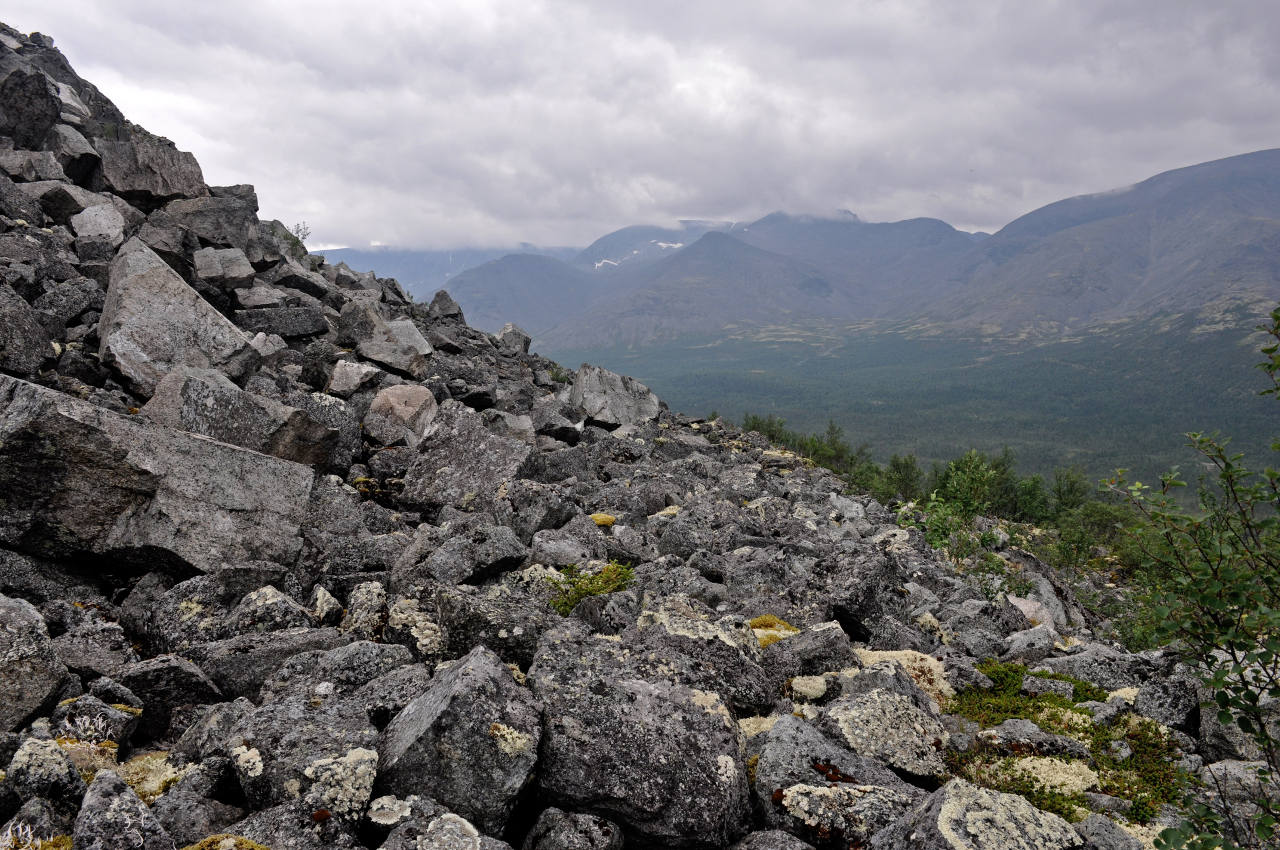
(1173, 243)
(533, 291)
(424, 272)
(1182, 241)
(641, 244)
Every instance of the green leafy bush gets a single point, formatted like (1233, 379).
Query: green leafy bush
(1215, 578)
(574, 585)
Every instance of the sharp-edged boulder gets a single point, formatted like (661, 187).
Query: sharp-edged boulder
(76, 479)
(611, 400)
(153, 322)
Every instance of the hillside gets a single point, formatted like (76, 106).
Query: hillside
(289, 560)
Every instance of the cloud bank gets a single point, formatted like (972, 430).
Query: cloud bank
(491, 122)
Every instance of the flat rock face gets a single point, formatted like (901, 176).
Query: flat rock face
(24, 343)
(75, 478)
(663, 760)
(206, 402)
(32, 672)
(962, 816)
(147, 170)
(463, 464)
(610, 399)
(153, 322)
(469, 742)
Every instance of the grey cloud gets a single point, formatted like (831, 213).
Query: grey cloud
(438, 124)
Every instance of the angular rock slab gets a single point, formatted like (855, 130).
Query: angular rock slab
(32, 672)
(962, 816)
(75, 479)
(153, 322)
(114, 818)
(469, 742)
(663, 760)
(611, 400)
(206, 402)
(463, 464)
(147, 170)
(24, 343)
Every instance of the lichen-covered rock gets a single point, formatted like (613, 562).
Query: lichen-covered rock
(32, 671)
(267, 610)
(887, 725)
(463, 464)
(772, 839)
(294, 826)
(395, 344)
(137, 490)
(962, 816)
(205, 401)
(560, 830)
(153, 322)
(295, 750)
(661, 759)
(1103, 666)
(611, 400)
(446, 831)
(1018, 736)
(112, 817)
(809, 785)
(147, 170)
(470, 741)
(41, 769)
(24, 342)
(1102, 833)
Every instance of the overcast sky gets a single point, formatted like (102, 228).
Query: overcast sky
(490, 122)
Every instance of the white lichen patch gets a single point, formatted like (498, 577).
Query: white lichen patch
(726, 770)
(344, 784)
(711, 703)
(852, 811)
(150, 775)
(977, 817)
(752, 726)
(43, 761)
(247, 760)
(450, 831)
(886, 725)
(1126, 694)
(925, 670)
(511, 742)
(1067, 777)
(690, 626)
(809, 687)
(389, 810)
(427, 635)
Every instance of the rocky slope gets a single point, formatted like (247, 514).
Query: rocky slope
(283, 561)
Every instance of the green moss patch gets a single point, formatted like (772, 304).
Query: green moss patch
(574, 585)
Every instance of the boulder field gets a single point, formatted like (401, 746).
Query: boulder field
(288, 560)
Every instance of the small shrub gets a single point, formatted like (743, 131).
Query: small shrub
(573, 585)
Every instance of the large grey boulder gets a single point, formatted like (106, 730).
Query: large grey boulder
(462, 464)
(32, 672)
(30, 106)
(887, 725)
(152, 322)
(663, 760)
(24, 343)
(400, 415)
(395, 344)
(148, 170)
(75, 479)
(228, 220)
(611, 400)
(469, 742)
(204, 401)
(962, 816)
(223, 267)
(306, 749)
(113, 817)
(809, 785)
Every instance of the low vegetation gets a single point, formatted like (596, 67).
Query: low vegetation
(575, 584)
(1204, 578)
